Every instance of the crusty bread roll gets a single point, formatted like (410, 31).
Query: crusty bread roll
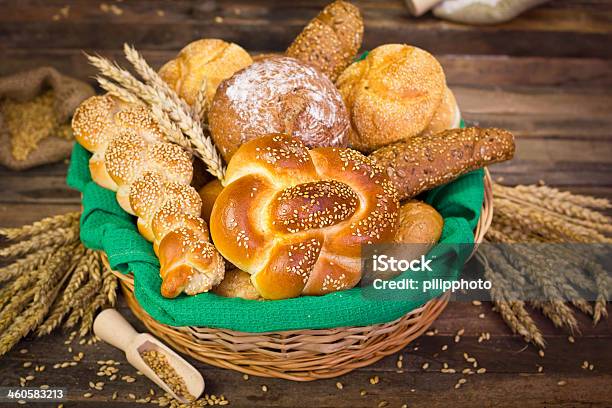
(277, 95)
(391, 95)
(331, 40)
(425, 162)
(295, 219)
(237, 283)
(151, 179)
(447, 116)
(419, 223)
(209, 193)
(419, 229)
(207, 59)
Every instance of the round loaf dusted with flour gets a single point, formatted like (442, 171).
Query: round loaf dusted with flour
(295, 219)
(208, 60)
(391, 95)
(277, 95)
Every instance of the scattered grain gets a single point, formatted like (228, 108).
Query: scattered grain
(158, 362)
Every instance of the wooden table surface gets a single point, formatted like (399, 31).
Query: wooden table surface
(547, 76)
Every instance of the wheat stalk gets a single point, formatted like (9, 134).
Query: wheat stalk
(500, 295)
(521, 313)
(169, 128)
(53, 238)
(201, 107)
(152, 78)
(118, 91)
(602, 282)
(159, 95)
(558, 206)
(41, 226)
(179, 111)
(106, 296)
(28, 321)
(62, 305)
(17, 304)
(46, 283)
(24, 266)
(80, 301)
(545, 222)
(122, 77)
(547, 193)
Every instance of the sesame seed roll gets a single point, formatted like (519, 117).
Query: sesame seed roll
(295, 219)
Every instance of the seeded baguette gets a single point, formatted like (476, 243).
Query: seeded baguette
(425, 162)
(331, 40)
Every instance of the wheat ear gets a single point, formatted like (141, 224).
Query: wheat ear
(40, 227)
(180, 112)
(159, 101)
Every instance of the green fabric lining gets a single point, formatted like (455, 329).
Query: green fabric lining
(105, 226)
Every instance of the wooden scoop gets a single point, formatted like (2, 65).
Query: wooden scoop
(111, 327)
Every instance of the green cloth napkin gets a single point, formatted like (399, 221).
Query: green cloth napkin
(105, 226)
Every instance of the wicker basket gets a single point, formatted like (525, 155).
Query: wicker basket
(301, 355)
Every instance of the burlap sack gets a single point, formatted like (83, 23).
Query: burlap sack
(68, 94)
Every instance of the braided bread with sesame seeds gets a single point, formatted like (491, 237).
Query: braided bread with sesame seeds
(151, 180)
(295, 219)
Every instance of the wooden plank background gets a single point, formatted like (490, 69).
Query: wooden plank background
(547, 76)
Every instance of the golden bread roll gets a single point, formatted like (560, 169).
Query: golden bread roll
(295, 219)
(331, 40)
(447, 116)
(277, 95)
(208, 60)
(209, 194)
(425, 162)
(419, 223)
(419, 229)
(391, 95)
(151, 179)
(237, 283)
